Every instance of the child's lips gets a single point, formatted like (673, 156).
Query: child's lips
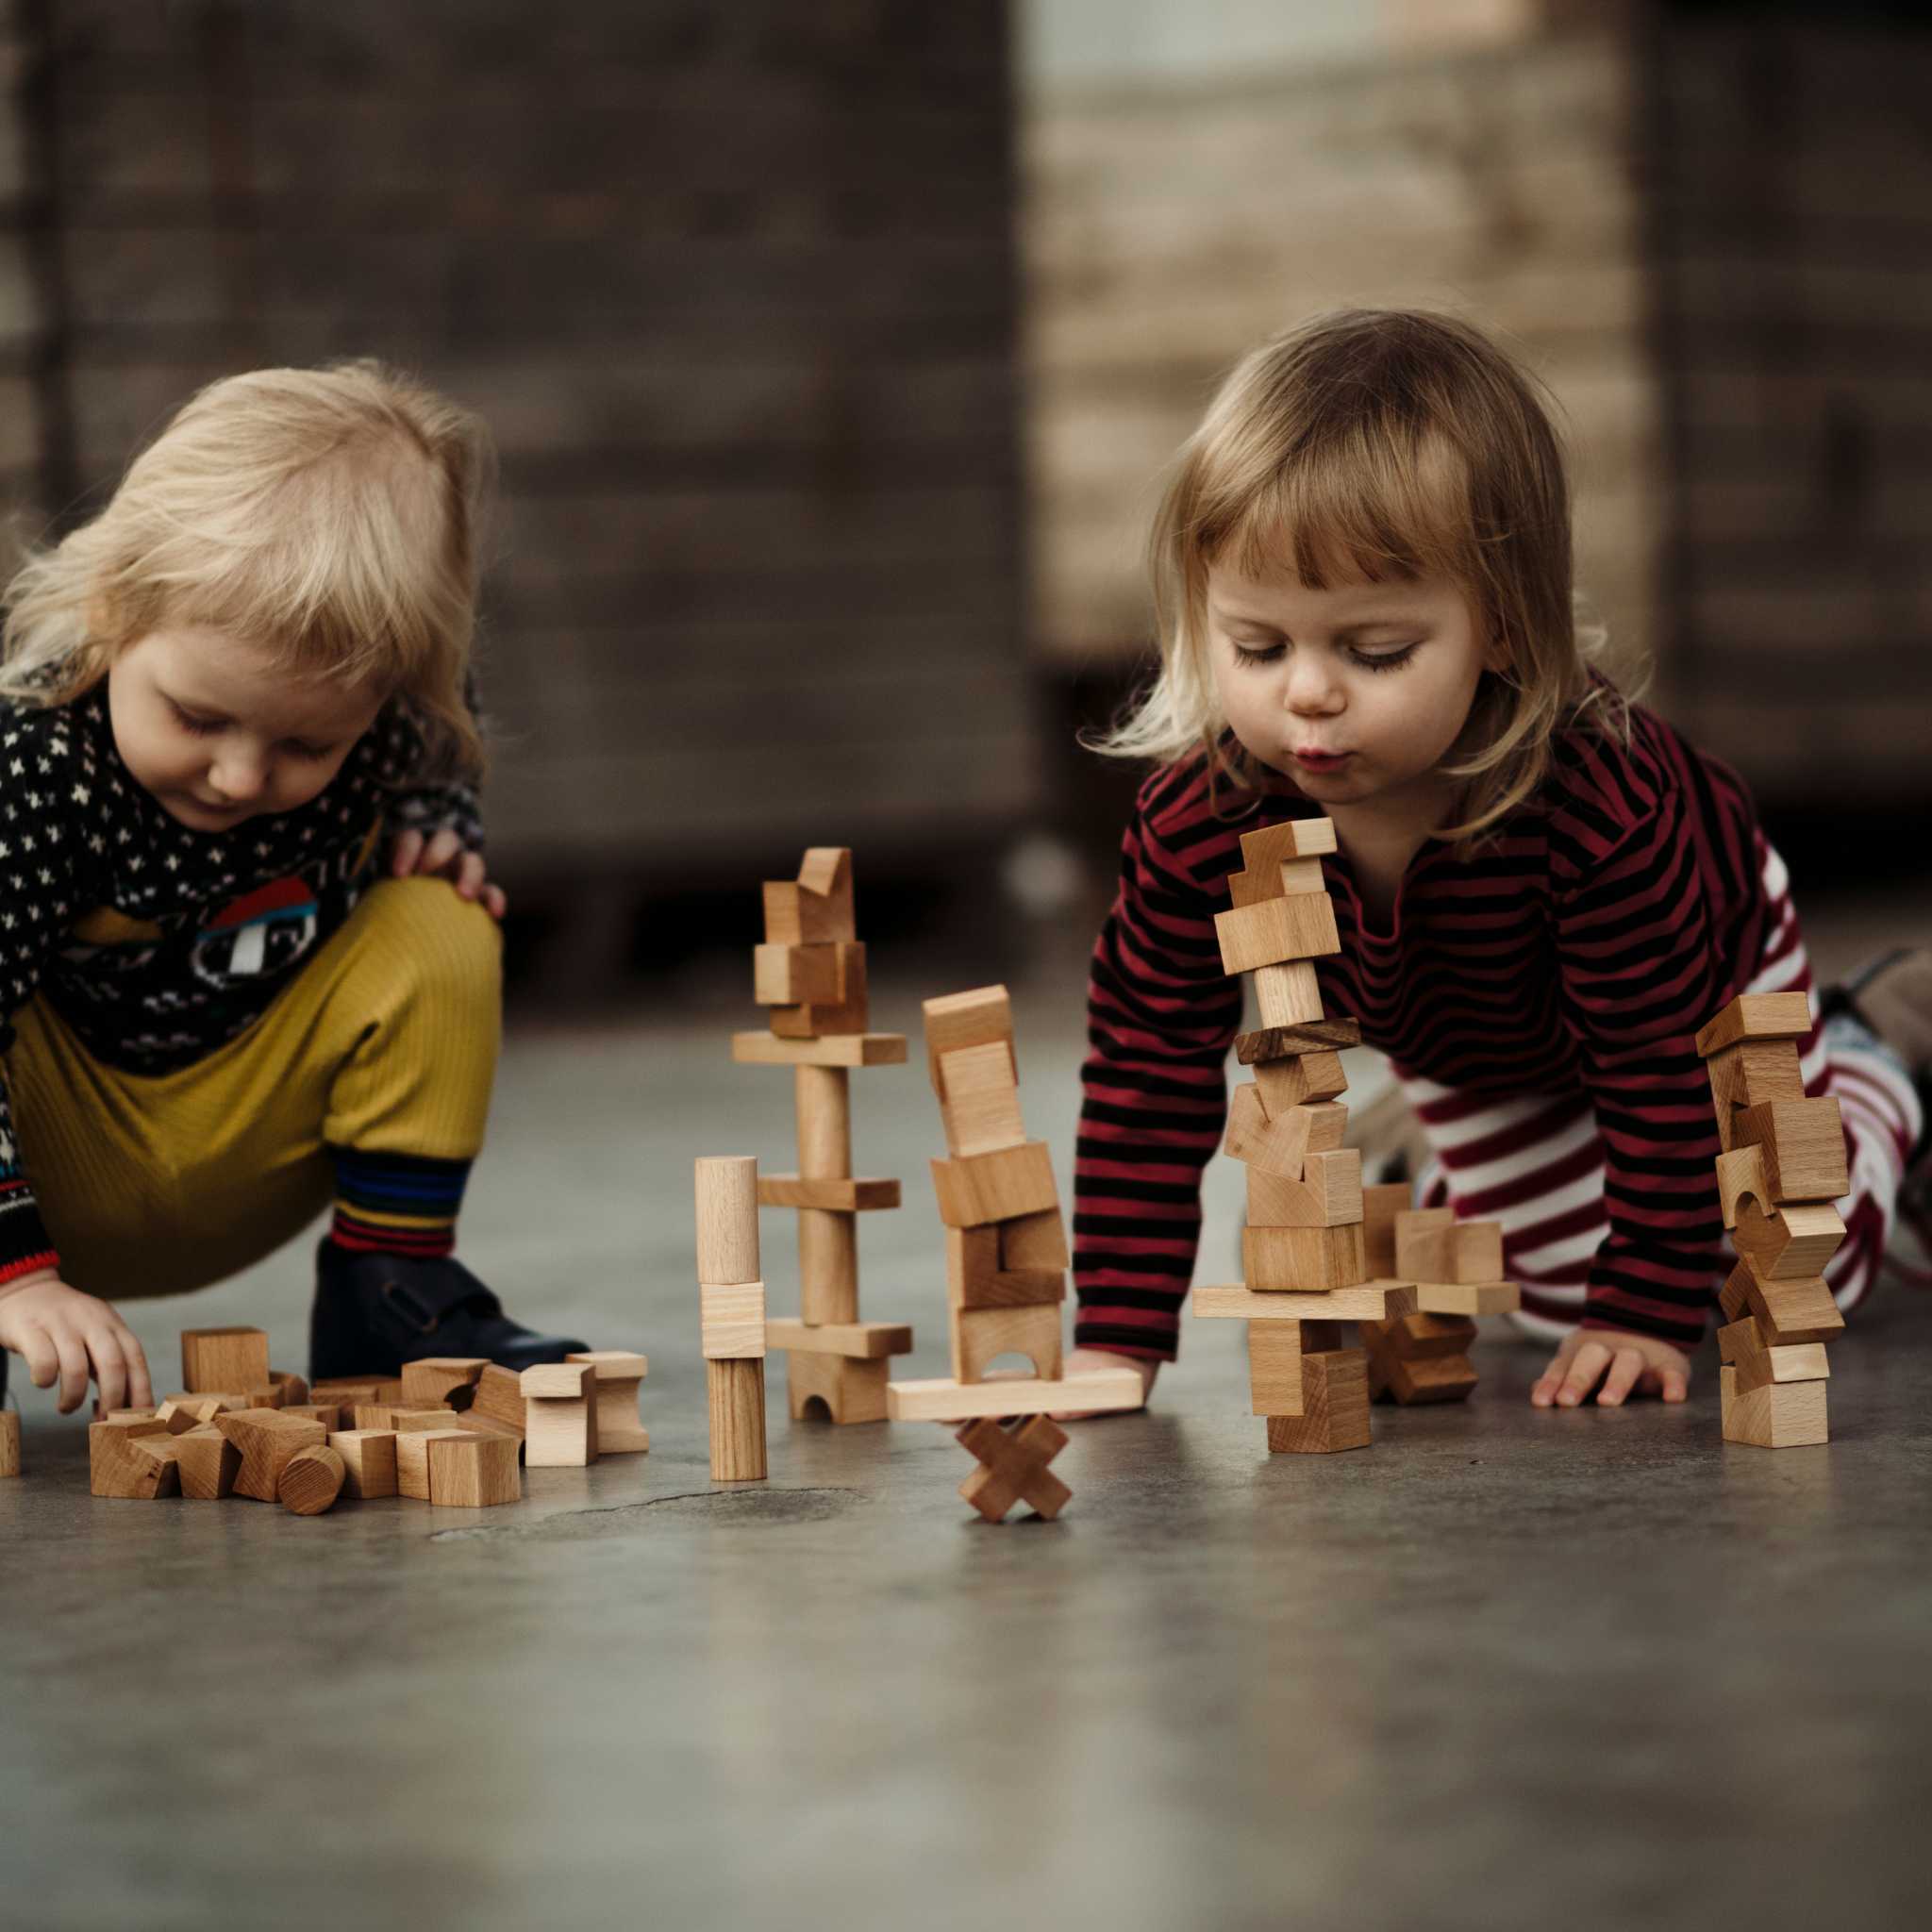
(1320, 760)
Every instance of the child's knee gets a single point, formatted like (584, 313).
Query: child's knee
(447, 947)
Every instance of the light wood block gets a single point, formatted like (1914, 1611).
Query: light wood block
(1296, 1082)
(1803, 1145)
(218, 1359)
(1411, 1383)
(471, 1471)
(206, 1464)
(162, 1453)
(1274, 931)
(369, 1461)
(115, 1471)
(9, 1443)
(1795, 1241)
(1468, 1297)
(1013, 1467)
(763, 1049)
(268, 1439)
(1778, 1415)
(1757, 1016)
(1288, 994)
(499, 1398)
(1275, 1368)
(349, 1392)
(974, 1278)
(1421, 1337)
(1381, 1204)
(732, 1321)
(1295, 1041)
(846, 1196)
(1743, 1345)
(735, 1396)
(1273, 882)
(292, 1385)
(1335, 1407)
(559, 1415)
(1281, 1144)
(786, 975)
(728, 1218)
(181, 1414)
(1034, 1241)
(406, 1422)
(326, 1413)
(1477, 1251)
(943, 1399)
(981, 1110)
(827, 1240)
(956, 1022)
(382, 1415)
(848, 1013)
(979, 1336)
(311, 1479)
(1740, 1177)
(412, 1460)
(229, 1399)
(1371, 1301)
(1790, 1311)
(1304, 1259)
(843, 1387)
(620, 1399)
(1750, 1073)
(1425, 1243)
(438, 1377)
(815, 907)
(856, 1340)
(995, 1187)
(1329, 1195)
(1287, 842)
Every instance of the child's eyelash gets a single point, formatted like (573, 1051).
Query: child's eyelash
(201, 727)
(1369, 661)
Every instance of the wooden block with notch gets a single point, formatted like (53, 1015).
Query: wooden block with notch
(1752, 1074)
(1802, 1143)
(1287, 842)
(226, 1400)
(620, 1374)
(412, 1460)
(559, 1415)
(1329, 1195)
(206, 1464)
(1790, 1311)
(1335, 1407)
(1790, 1244)
(471, 1471)
(1757, 1016)
(115, 1471)
(1275, 931)
(440, 1377)
(218, 1359)
(1777, 1415)
(846, 1388)
(981, 1336)
(1282, 1143)
(1743, 1345)
(369, 1462)
(267, 1438)
(981, 1108)
(1304, 1259)
(974, 1278)
(816, 907)
(1288, 994)
(310, 1481)
(995, 1187)
(182, 1413)
(1295, 875)
(1741, 1176)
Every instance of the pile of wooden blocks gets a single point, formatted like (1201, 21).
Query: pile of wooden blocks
(1302, 1253)
(449, 1431)
(1782, 1166)
(1006, 1268)
(810, 972)
(1456, 1271)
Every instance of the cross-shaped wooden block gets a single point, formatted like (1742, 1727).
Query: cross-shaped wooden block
(1013, 1467)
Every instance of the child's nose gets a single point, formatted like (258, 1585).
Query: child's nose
(1311, 685)
(239, 778)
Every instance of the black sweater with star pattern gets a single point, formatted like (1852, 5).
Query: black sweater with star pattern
(158, 945)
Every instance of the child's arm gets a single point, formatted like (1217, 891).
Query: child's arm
(436, 827)
(66, 1336)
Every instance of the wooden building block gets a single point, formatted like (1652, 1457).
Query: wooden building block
(974, 1278)
(1749, 1075)
(1296, 1042)
(1790, 1311)
(981, 1336)
(1795, 1241)
(412, 1460)
(1745, 1346)
(1295, 875)
(1372, 1301)
(163, 1452)
(293, 1389)
(1476, 1253)
(995, 1187)
(267, 1438)
(861, 1342)
(1381, 1204)
(956, 1022)
(229, 1399)
(409, 1422)
(843, 1388)
(560, 1415)
(444, 1378)
(499, 1398)
(1286, 843)
(471, 1472)
(843, 1017)
(1757, 1016)
(1013, 1467)
(763, 1049)
(981, 1108)
(1426, 1244)
(206, 1464)
(182, 1413)
(9, 1443)
(347, 1392)
(115, 1470)
(1329, 1195)
(1778, 1415)
(1410, 1383)
(817, 906)
(1305, 1259)
(941, 1399)
(620, 1399)
(1468, 1297)
(1275, 1368)
(1803, 1145)
(1296, 1081)
(311, 1480)
(1030, 1241)
(1288, 994)
(728, 1218)
(470, 1422)
(369, 1461)
(732, 1321)
(1335, 1407)
(734, 1395)
(1740, 1177)
(1281, 1142)
(326, 1413)
(840, 1197)
(269, 1395)
(1274, 931)
(796, 976)
(217, 1358)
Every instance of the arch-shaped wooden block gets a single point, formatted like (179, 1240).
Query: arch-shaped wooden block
(981, 1336)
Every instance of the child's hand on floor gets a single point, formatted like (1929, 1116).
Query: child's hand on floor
(1088, 1362)
(1624, 1364)
(65, 1335)
(445, 856)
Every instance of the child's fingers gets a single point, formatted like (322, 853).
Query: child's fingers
(140, 1388)
(1626, 1369)
(1584, 1367)
(73, 1369)
(494, 903)
(439, 851)
(408, 849)
(110, 1368)
(1676, 1383)
(1544, 1390)
(42, 1360)
(470, 875)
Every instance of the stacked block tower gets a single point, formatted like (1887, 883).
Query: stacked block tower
(1456, 1269)
(1006, 1268)
(1303, 1251)
(1783, 1164)
(810, 972)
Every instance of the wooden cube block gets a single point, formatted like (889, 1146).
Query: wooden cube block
(499, 1397)
(1329, 1195)
(438, 1378)
(849, 1012)
(292, 1388)
(981, 1110)
(1778, 1415)
(216, 1358)
(115, 1470)
(206, 1464)
(957, 1021)
(1308, 1258)
(1288, 994)
(350, 1393)
(310, 1481)
(979, 1336)
(1281, 1144)
(1274, 931)
(1275, 1367)
(1476, 1253)
(1790, 1311)
(1803, 1145)
(1034, 1241)
(843, 1388)
(1381, 1205)
(183, 1413)
(369, 1461)
(619, 1398)
(1335, 1407)
(471, 1472)
(1426, 1244)
(326, 1413)
(1790, 1245)
(1740, 1177)
(1758, 1360)
(267, 1438)
(995, 1187)
(1293, 876)
(796, 976)
(412, 1460)
(1468, 1297)
(560, 1415)
(1758, 1016)
(1298, 1080)
(1749, 1073)
(974, 1278)
(732, 1321)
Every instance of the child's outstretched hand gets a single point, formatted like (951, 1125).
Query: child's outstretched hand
(444, 856)
(66, 1336)
(1624, 1364)
(1087, 1361)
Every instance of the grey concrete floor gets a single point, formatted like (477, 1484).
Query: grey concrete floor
(1505, 1668)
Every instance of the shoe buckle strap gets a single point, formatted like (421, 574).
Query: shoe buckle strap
(424, 1319)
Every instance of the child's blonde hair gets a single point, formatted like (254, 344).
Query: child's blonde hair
(1379, 445)
(332, 516)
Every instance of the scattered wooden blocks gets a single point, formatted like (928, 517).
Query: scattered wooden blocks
(561, 1408)
(1335, 1407)
(268, 1439)
(206, 1464)
(619, 1395)
(369, 1461)
(442, 1378)
(310, 1481)
(114, 1468)
(1013, 1467)
(469, 1471)
(498, 1399)
(412, 1460)
(213, 1358)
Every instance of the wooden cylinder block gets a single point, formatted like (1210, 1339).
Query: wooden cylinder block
(824, 1098)
(727, 1209)
(311, 1480)
(736, 1393)
(827, 1265)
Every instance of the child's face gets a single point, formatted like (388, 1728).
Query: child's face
(220, 734)
(1356, 691)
